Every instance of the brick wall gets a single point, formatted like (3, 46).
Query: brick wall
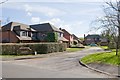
(8, 36)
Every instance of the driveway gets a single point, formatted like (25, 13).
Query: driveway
(60, 66)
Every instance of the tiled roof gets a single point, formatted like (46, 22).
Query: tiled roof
(93, 36)
(66, 31)
(16, 26)
(45, 27)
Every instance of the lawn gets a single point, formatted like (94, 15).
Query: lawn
(74, 49)
(104, 47)
(106, 57)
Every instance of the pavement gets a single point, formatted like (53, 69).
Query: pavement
(62, 65)
(103, 68)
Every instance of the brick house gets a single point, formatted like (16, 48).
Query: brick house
(47, 32)
(93, 38)
(104, 42)
(76, 39)
(68, 36)
(14, 32)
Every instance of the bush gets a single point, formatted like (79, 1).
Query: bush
(52, 37)
(111, 46)
(30, 48)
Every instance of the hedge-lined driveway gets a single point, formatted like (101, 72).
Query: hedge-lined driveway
(62, 66)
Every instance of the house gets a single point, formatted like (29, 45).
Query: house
(93, 38)
(14, 32)
(47, 32)
(68, 36)
(76, 39)
(104, 42)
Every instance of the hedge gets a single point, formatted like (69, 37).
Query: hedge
(52, 37)
(30, 48)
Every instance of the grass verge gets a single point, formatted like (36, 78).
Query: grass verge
(106, 57)
(74, 49)
(104, 47)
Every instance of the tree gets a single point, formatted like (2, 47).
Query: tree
(111, 21)
(111, 35)
(3, 1)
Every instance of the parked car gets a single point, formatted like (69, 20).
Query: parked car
(93, 44)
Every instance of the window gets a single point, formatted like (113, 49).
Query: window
(29, 34)
(60, 35)
(24, 33)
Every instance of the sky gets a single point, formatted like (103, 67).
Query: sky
(75, 16)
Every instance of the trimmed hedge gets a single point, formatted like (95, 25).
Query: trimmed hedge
(30, 48)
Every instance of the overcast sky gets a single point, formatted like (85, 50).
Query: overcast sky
(73, 15)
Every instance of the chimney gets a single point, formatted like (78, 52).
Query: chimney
(60, 28)
(84, 36)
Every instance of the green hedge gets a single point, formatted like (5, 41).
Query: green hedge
(40, 48)
(52, 37)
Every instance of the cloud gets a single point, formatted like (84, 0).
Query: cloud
(35, 20)
(27, 7)
(54, 21)
(57, 22)
(35, 8)
(29, 13)
(47, 11)
(71, 27)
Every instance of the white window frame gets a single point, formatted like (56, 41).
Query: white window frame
(24, 33)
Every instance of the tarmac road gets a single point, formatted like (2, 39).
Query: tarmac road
(62, 66)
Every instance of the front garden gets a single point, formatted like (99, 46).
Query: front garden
(32, 48)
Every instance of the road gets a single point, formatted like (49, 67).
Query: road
(61, 66)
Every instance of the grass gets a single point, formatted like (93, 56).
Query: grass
(74, 49)
(104, 47)
(106, 57)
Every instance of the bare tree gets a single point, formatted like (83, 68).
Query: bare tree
(111, 21)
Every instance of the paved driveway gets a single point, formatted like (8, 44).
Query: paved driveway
(62, 66)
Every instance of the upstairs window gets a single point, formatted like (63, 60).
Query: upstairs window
(60, 35)
(23, 33)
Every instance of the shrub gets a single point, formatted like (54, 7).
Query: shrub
(112, 45)
(52, 37)
(30, 48)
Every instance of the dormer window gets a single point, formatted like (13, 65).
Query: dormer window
(23, 33)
